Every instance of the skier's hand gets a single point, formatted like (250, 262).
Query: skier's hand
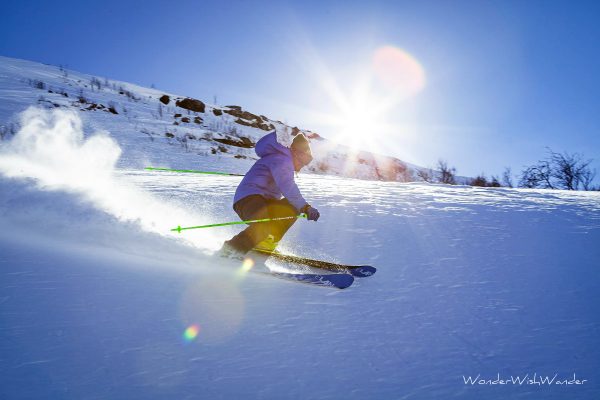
(312, 214)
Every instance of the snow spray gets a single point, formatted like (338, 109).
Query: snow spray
(51, 150)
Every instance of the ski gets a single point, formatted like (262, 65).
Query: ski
(339, 281)
(333, 280)
(359, 271)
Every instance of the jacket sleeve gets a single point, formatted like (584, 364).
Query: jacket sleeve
(282, 170)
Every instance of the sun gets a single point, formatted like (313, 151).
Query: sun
(363, 105)
(360, 119)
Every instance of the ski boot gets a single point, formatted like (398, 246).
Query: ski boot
(267, 246)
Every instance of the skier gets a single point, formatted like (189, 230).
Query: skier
(268, 190)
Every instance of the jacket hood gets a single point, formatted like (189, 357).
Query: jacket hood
(281, 140)
(268, 145)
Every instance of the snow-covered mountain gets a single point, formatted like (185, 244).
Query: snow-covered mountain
(185, 129)
(480, 293)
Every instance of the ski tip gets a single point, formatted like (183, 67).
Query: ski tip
(363, 271)
(341, 281)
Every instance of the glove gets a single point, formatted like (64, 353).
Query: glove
(312, 214)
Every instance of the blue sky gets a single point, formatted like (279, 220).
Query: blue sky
(503, 80)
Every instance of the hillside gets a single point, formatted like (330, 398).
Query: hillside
(165, 123)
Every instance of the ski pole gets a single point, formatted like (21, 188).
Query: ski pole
(253, 221)
(193, 171)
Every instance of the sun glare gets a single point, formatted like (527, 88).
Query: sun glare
(357, 122)
(366, 105)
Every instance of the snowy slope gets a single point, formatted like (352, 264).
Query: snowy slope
(170, 135)
(470, 281)
(96, 292)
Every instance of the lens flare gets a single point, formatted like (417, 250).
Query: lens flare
(398, 70)
(191, 333)
(247, 264)
(218, 303)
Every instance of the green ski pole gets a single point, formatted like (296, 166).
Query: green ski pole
(253, 221)
(192, 171)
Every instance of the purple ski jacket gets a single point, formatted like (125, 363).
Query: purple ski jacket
(272, 176)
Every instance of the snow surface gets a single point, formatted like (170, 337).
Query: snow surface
(96, 292)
